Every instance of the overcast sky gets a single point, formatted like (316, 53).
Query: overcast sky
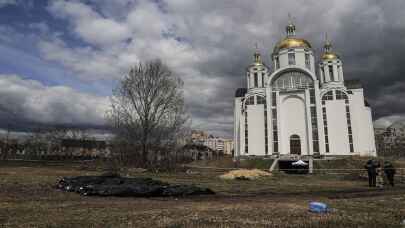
(59, 60)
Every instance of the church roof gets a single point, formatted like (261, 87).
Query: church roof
(240, 92)
(353, 84)
(291, 42)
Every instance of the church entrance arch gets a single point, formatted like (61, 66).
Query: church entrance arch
(295, 145)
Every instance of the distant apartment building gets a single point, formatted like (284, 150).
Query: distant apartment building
(228, 146)
(216, 143)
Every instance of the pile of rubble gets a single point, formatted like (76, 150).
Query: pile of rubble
(114, 185)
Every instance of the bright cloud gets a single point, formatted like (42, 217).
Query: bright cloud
(7, 2)
(30, 100)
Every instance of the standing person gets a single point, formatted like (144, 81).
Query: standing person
(379, 177)
(389, 171)
(372, 173)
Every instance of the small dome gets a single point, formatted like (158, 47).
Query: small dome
(257, 58)
(329, 56)
(291, 42)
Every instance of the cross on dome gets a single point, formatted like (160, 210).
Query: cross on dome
(290, 27)
(328, 44)
(258, 58)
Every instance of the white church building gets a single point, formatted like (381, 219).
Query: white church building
(288, 109)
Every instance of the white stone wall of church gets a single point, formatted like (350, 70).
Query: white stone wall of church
(283, 58)
(256, 130)
(363, 132)
(361, 120)
(371, 150)
(299, 59)
(337, 128)
(293, 120)
(356, 109)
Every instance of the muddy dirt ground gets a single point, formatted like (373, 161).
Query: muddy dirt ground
(28, 199)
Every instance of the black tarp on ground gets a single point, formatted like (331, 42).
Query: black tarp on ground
(124, 186)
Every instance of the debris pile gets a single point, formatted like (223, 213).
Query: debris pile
(126, 187)
(245, 174)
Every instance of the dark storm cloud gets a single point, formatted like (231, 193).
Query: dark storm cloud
(373, 48)
(209, 44)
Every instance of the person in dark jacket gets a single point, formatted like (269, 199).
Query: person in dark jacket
(371, 168)
(389, 171)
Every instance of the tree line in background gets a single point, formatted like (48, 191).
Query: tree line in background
(147, 117)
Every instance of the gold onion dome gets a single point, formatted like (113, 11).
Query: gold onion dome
(291, 41)
(329, 54)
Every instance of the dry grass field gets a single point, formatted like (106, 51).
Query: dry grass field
(28, 199)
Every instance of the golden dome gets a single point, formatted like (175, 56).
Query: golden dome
(291, 42)
(329, 56)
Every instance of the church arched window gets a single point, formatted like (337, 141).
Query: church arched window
(332, 77)
(293, 80)
(328, 96)
(340, 95)
(307, 61)
(261, 100)
(250, 100)
(291, 58)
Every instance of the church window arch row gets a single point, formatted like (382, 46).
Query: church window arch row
(292, 80)
(274, 122)
(328, 96)
(254, 100)
(314, 121)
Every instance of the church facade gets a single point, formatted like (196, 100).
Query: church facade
(288, 109)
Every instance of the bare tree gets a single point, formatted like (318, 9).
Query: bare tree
(147, 108)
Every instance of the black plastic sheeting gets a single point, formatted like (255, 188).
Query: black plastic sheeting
(126, 187)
